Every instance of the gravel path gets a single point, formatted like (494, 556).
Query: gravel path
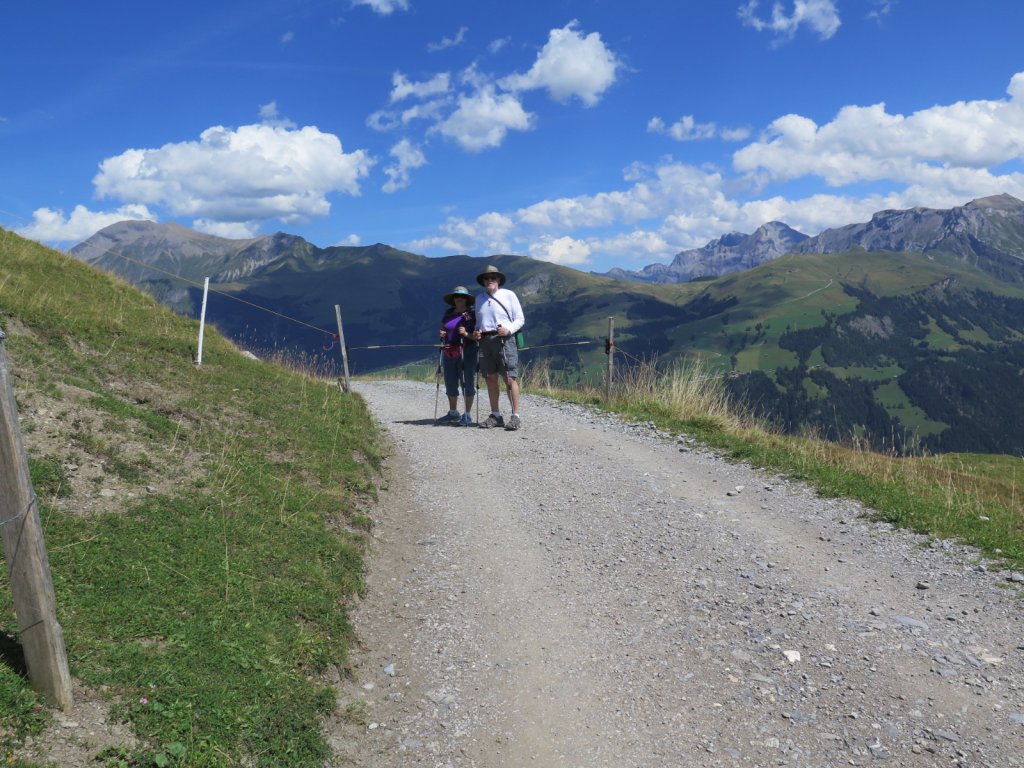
(587, 593)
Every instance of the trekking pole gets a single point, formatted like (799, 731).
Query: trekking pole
(437, 392)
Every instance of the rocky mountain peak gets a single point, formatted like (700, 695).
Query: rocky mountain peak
(1003, 202)
(733, 252)
(141, 250)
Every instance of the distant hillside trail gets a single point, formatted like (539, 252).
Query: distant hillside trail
(585, 593)
(808, 295)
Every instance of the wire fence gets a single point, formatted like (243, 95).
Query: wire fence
(331, 338)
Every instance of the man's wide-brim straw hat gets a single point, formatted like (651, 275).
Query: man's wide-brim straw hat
(491, 271)
(459, 290)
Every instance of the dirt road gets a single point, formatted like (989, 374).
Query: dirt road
(584, 593)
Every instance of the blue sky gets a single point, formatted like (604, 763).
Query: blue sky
(591, 133)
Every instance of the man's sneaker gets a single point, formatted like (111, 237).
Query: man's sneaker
(513, 423)
(492, 421)
(452, 417)
(466, 420)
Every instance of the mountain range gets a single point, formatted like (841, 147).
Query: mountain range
(906, 331)
(988, 232)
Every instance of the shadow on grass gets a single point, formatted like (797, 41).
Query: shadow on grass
(12, 655)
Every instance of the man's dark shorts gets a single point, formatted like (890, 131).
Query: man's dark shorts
(498, 354)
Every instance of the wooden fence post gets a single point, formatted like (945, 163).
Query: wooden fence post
(344, 349)
(611, 355)
(28, 567)
(202, 321)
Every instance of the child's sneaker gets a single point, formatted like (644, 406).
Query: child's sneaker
(466, 420)
(452, 417)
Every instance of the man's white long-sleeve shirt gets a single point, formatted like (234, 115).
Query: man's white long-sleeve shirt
(490, 313)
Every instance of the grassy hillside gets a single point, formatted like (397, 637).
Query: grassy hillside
(876, 346)
(793, 292)
(205, 526)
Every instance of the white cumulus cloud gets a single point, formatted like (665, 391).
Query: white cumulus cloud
(388, 120)
(822, 16)
(684, 129)
(270, 116)
(654, 193)
(233, 230)
(483, 119)
(939, 157)
(384, 7)
(252, 173)
(882, 8)
(570, 64)
(449, 42)
(735, 134)
(561, 250)
(51, 226)
(869, 143)
(489, 233)
(403, 88)
(407, 158)
(638, 244)
(477, 109)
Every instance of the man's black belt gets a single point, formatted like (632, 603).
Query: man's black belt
(488, 333)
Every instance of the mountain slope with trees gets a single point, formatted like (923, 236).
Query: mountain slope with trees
(388, 297)
(943, 355)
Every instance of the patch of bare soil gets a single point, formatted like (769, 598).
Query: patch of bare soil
(73, 740)
(85, 439)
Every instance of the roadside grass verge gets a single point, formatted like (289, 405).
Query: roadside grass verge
(975, 499)
(205, 526)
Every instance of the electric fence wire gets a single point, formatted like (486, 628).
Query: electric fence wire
(333, 336)
(21, 514)
(219, 293)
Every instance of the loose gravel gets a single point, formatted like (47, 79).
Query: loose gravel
(585, 592)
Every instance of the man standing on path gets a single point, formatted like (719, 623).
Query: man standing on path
(498, 316)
